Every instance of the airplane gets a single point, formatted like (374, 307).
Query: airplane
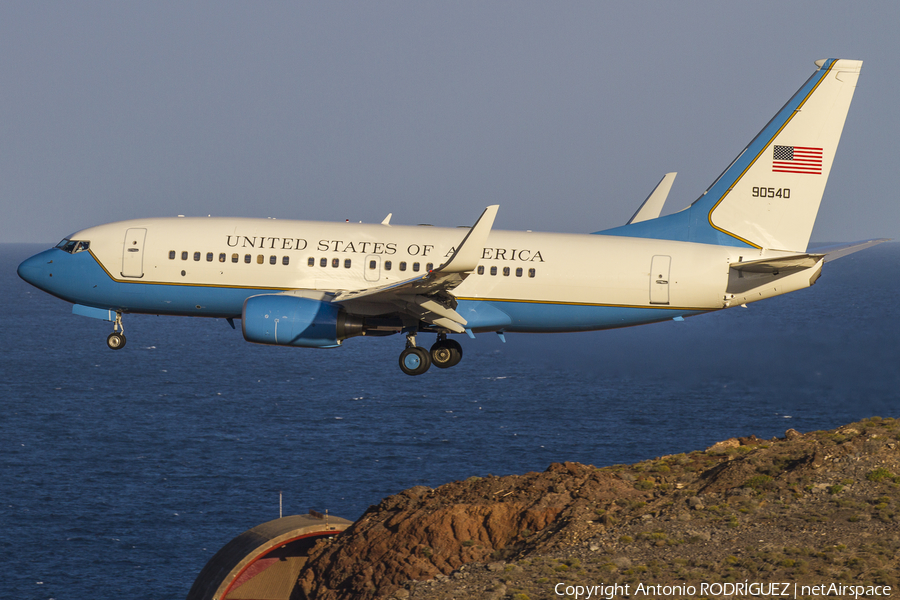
(316, 284)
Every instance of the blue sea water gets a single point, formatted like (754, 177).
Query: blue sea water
(123, 472)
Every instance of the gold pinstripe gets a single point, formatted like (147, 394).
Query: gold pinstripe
(560, 303)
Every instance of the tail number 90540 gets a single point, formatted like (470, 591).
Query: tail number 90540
(763, 192)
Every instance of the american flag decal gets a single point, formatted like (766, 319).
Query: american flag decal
(797, 159)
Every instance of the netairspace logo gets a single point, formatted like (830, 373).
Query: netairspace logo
(744, 588)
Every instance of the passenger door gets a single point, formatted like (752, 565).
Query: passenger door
(659, 279)
(133, 253)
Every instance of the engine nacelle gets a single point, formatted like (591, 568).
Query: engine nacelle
(285, 320)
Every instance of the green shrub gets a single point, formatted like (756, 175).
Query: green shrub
(879, 474)
(758, 482)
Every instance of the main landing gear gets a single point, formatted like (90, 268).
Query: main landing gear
(444, 354)
(116, 340)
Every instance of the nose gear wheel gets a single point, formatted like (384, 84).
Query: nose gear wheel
(116, 340)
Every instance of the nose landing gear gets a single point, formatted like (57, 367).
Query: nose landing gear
(116, 340)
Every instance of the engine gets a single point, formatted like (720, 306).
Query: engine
(285, 320)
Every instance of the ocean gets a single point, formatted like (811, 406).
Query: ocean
(123, 472)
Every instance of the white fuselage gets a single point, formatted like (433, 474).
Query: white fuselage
(200, 256)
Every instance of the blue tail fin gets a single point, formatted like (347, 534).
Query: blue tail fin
(769, 196)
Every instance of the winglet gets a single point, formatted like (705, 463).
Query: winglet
(471, 248)
(387, 219)
(653, 205)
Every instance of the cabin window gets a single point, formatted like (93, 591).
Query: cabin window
(234, 258)
(247, 258)
(429, 267)
(506, 271)
(171, 255)
(335, 263)
(209, 257)
(286, 260)
(323, 262)
(387, 265)
(481, 269)
(402, 265)
(311, 261)
(196, 256)
(273, 260)
(416, 267)
(260, 259)
(531, 272)
(184, 256)
(493, 270)
(222, 257)
(346, 263)
(372, 265)
(519, 272)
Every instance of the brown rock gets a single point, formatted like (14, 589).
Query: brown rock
(778, 492)
(724, 445)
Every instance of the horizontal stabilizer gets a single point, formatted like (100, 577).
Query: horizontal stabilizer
(840, 250)
(803, 261)
(653, 205)
(778, 263)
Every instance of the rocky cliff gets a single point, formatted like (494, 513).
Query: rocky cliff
(804, 507)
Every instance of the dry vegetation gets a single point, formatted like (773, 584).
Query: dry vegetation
(811, 508)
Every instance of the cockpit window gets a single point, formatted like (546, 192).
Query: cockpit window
(73, 246)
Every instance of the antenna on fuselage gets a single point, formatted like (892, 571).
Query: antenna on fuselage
(387, 219)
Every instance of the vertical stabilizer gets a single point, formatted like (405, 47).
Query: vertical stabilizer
(769, 196)
(773, 200)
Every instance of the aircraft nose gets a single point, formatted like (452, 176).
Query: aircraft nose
(33, 269)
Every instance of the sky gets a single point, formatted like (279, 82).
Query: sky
(566, 114)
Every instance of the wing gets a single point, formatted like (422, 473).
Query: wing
(654, 203)
(426, 297)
